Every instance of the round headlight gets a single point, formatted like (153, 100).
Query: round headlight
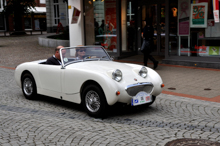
(117, 75)
(143, 72)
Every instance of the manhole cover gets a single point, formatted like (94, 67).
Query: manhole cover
(192, 142)
(207, 89)
(171, 88)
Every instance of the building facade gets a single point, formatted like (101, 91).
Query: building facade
(57, 12)
(34, 21)
(186, 32)
(37, 19)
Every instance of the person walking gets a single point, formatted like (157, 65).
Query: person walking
(147, 35)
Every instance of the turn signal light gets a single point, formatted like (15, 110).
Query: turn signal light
(117, 93)
(162, 85)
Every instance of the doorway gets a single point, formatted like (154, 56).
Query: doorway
(155, 10)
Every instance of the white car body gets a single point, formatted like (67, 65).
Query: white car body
(67, 81)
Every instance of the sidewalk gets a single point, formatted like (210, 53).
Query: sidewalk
(192, 82)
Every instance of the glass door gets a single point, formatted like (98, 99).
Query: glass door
(156, 13)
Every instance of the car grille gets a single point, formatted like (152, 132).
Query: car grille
(133, 89)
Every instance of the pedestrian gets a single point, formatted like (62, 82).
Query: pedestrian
(96, 26)
(131, 36)
(147, 35)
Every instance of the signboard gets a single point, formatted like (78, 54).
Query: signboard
(75, 15)
(215, 4)
(213, 50)
(198, 15)
(216, 16)
(209, 51)
(183, 17)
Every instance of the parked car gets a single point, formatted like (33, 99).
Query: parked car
(95, 81)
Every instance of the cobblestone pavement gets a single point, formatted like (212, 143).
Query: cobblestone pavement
(49, 121)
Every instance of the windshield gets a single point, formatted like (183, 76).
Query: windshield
(83, 53)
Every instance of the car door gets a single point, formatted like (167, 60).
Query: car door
(72, 80)
(50, 79)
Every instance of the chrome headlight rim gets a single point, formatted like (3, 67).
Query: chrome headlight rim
(143, 72)
(117, 75)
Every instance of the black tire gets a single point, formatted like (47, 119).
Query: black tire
(28, 86)
(97, 105)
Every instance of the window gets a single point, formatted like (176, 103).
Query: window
(42, 1)
(56, 11)
(2, 3)
(128, 25)
(2, 22)
(27, 23)
(100, 23)
(1, 6)
(197, 39)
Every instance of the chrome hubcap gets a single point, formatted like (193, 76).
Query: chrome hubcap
(28, 86)
(92, 101)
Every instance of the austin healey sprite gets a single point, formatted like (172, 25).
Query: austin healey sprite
(94, 80)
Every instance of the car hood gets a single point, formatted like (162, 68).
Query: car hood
(101, 66)
(129, 71)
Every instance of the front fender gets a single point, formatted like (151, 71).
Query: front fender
(75, 78)
(26, 67)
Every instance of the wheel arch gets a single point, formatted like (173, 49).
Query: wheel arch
(89, 82)
(25, 72)
(28, 72)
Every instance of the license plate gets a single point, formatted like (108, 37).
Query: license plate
(141, 98)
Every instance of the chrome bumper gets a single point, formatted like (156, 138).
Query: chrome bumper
(133, 89)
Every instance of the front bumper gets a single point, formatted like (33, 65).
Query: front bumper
(133, 89)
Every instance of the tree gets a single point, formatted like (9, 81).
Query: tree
(18, 8)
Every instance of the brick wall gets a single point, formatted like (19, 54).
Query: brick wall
(38, 4)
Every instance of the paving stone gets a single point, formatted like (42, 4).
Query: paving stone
(50, 122)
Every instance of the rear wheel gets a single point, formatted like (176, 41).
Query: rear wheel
(94, 101)
(28, 86)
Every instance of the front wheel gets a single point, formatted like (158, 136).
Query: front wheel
(28, 86)
(94, 101)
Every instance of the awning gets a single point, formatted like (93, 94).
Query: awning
(39, 9)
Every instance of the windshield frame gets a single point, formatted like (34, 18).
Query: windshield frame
(108, 58)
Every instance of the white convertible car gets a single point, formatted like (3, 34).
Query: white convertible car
(95, 81)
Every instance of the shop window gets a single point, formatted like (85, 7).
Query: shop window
(198, 33)
(128, 20)
(154, 12)
(100, 23)
(2, 22)
(27, 23)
